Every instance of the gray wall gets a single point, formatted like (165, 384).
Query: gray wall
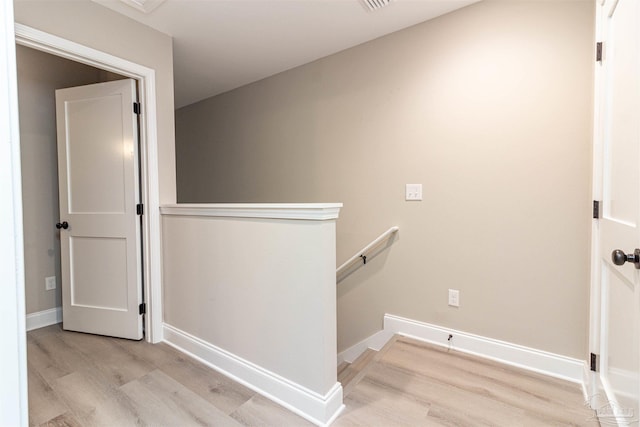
(39, 75)
(489, 108)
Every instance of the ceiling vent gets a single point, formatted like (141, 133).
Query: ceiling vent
(144, 6)
(373, 5)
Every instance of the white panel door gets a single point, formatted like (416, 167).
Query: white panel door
(617, 295)
(100, 231)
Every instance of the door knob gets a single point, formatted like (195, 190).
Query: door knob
(619, 257)
(63, 224)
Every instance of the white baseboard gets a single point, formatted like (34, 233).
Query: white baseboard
(320, 410)
(44, 318)
(511, 354)
(374, 342)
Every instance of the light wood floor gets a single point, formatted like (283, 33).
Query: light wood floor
(411, 383)
(85, 380)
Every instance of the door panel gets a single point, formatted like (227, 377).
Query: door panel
(621, 128)
(622, 346)
(617, 292)
(95, 277)
(90, 159)
(98, 174)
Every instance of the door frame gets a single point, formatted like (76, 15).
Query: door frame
(591, 380)
(14, 400)
(151, 260)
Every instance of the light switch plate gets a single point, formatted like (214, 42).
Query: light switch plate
(50, 283)
(413, 192)
(454, 298)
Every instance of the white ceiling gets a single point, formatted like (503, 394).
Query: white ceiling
(219, 45)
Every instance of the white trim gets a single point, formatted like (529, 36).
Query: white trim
(306, 211)
(511, 354)
(40, 319)
(531, 359)
(595, 295)
(14, 402)
(374, 342)
(58, 46)
(318, 409)
(144, 6)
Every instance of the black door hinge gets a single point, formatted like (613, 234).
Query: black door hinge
(142, 308)
(596, 209)
(139, 209)
(137, 108)
(593, 363)
(599, 52)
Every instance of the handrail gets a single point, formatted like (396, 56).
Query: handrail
(361, 253)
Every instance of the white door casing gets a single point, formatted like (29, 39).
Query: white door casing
(13, 356)
(40, 40)
(14, 386)
(615, 293)
(99, 190)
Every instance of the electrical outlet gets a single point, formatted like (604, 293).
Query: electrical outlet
(50, 283)
(454, 298)
(413, 192)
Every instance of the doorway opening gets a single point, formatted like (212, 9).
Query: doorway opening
(149, 183)
(40, 74)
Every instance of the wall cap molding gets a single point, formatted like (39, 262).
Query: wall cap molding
(303, 211)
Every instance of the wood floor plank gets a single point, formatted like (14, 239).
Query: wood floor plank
(370, 404)
(217, 389)
(44, 351)
(113, 360)
(467, 390)
(84, 380)
(95, 401)
(160, 400)
(262, 412)
(554, 388)
(44, 403)
(511, 386)
(153, 354)
(65, 420)
(447, 404)
(47, 330)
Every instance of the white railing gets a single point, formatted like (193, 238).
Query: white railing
(361, 254)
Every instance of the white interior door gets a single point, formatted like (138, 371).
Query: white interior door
(100, 234)
(616, 294)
